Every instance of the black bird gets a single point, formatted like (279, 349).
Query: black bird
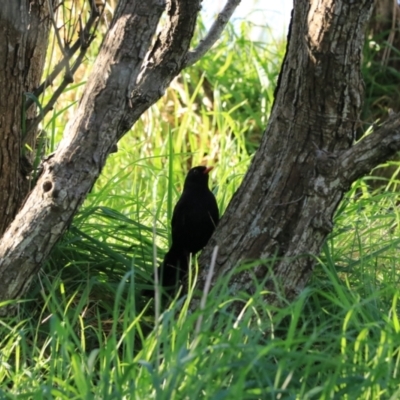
(194, 219)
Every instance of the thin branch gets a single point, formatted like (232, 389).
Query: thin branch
(83, 42)
(33, 124)
(56, 71)
(68, 54)
(393, 30)
(369, 152)
(213, 34)
(58, 37)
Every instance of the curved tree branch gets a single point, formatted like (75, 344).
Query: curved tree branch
(213, 34)
(371, 151)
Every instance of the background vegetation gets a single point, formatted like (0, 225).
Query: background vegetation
(86, 331)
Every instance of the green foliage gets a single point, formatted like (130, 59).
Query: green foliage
(339, 339)
(381, 77)
(86, 331)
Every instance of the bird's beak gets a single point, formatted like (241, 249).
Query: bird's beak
(207, 170)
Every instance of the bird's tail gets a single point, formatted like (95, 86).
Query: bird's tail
(174, 267)
(171, 272)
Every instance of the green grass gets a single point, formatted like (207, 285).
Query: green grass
(85, 331)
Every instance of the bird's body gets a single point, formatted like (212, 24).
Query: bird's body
(194, 219)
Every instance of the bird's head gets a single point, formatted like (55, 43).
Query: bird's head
(198, 176)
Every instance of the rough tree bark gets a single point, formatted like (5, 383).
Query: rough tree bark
(24, 28)
(131, 72)
(304, 165)
(307, 160)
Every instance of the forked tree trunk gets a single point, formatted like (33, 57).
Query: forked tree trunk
(131, 73)
(24, 27)
(307, 160)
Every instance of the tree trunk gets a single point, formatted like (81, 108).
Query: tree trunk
(284, 208)
(130, 74)
(24, 37)
(305, 162)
